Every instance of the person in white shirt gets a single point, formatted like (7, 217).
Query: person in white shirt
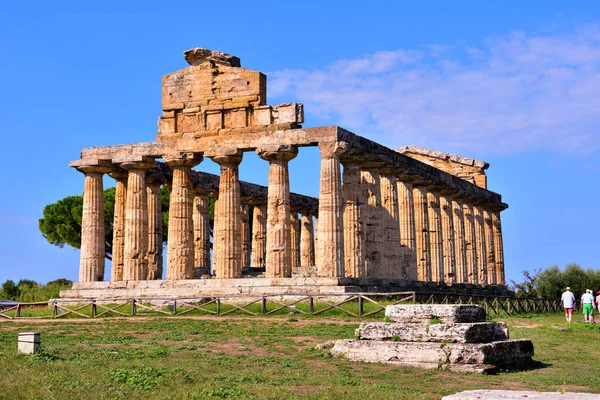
(568, 302)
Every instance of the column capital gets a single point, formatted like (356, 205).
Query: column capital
(231, 155)
(142, 163)
(333, 149)
(92, 166)
(181, 158)
(277, 152)
(118, 173)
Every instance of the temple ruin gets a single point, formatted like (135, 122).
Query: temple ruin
(384, 219)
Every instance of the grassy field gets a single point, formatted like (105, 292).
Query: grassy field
(261, 358)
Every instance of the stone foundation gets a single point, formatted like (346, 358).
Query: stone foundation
(416, 338)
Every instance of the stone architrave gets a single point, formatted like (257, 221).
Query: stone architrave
(155, 228)
(391, 226)
(422, 233)
(498, 248)
(307, 241)
(246, 235)
(180, 243)
(279, 246)
(436, 238)
(406, 216)
(471, 256)
(135, 266)
(330, 235)
(92, 254)
(489, 246)
(227, 245)
(259, 234)
(201, 229)
(459, 242)
(480, 244)
(448, 237)
(294, 239)
(354, 239)
(118, 248)
(373, 222)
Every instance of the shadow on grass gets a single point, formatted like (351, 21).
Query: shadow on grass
(532, 365)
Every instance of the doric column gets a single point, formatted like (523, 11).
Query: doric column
(246, 235)
(330, 243)
(278, 210)
(480, 245)
(422, 233)
(373, 222)
(201, 228)
(155, 228)
(316, 242)
(118, 247)
(436, 239)
(307, 240)
(448, 237)
(135, 266)
(92, 253)
(180, 243)
(498, 248)
(470, 244)
(406, 216)
(354, 239)
(489, 246)
(391, 227)
(294, 239)
(227, 245)
(459, 242)
(259, 234)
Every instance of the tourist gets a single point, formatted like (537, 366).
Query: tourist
(598, 299)
(587, 305)
(568, 302)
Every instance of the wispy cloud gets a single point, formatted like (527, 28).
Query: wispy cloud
(522, 92)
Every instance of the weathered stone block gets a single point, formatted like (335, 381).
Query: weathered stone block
(512, 394)
(478, 332)
(497, 353)
(29, 343)
(423, 313)
(262, 116)
(166, 125)
(214, 120)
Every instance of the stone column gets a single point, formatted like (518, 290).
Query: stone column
(135, 266)
(489, 246)
(354, 239)
(118, 247)
(406, 216)
(373, 222)
(294, 239)
(330, 242)
(436, 239)
(180, 242)
(459, 242)
(422, 233)
(307, 241)
(480, 245)
(471, 256)
(155, 228)
(259, 234)
(227, 246)
(92, 253)
(279, 247)
(201, 229)
(498, 248)
(246, 235)
(448, 237)
(391, 226)
(316, 242)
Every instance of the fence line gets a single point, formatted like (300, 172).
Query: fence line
(358, 305)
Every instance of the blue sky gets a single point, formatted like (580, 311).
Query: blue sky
(513, 83)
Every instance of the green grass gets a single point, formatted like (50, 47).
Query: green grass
(261, 358)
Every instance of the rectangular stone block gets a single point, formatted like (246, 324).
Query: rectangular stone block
(262, 116)
(29, 343)
(214, 120)
(496, 353)
(166, 125)
(446, 313)
(478, 332)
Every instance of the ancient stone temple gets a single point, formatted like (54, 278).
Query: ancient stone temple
(384, 219)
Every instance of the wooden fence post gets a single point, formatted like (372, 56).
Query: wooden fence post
(93, 308)
(360, 306)
(263, 305)
(311, 305)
